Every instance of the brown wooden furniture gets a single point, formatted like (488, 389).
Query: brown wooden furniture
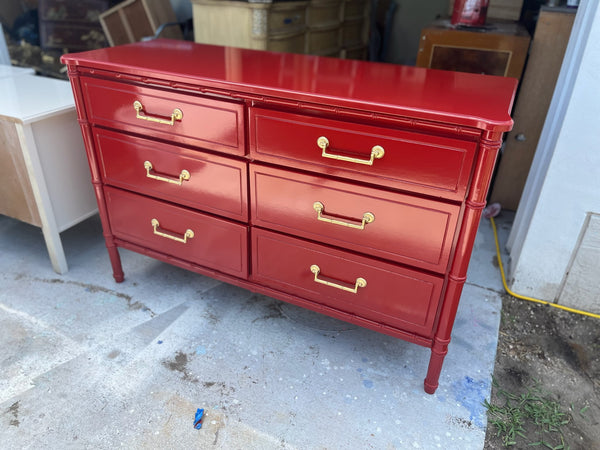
(276, 26)
(355, 29)
(71, 26)
(498, 49)
(317, 27)
(545, 59)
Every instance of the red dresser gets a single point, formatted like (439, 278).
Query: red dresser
(350, 188)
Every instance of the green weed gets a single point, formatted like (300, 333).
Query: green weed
(532, 412)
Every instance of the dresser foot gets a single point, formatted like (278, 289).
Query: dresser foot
(115, 261)
(430, 389)
(438, 353)
(119, 277)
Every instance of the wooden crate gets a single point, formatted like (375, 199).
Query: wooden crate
(132, 20)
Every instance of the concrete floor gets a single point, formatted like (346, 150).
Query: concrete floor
(88, 363)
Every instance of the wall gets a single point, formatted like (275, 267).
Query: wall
(410, 18)
(564, 184)
(182, 9)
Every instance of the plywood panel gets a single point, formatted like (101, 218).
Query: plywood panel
(547, 50)
(16, 195)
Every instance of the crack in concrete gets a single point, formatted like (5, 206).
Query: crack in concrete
(495, 291)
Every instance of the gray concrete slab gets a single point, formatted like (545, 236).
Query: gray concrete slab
(89, 363)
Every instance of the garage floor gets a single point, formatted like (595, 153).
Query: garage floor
(88, 363)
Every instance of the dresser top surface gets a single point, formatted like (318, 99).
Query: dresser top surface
(455, 98)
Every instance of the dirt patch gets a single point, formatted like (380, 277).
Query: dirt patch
(556, 354)
(14, 410)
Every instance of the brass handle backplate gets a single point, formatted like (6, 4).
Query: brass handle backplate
(367, 218)
(139, 114)
(183, 176)
(359, 283)
(189, 234)
(377, 152)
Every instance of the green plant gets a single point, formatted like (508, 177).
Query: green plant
(529, 412)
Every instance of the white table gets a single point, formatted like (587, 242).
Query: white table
(44, 177)
(12, 71)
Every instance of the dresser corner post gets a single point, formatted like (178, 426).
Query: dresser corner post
(439, 349)
(88, 141)
(475, 203)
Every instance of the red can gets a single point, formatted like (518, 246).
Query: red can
(469, 12)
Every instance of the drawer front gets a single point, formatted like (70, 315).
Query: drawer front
(323, 14)
(392, 295)
(290, 43)
(359, 52)
(286, 18)
(211, 124)
(388, 225)
(430, 165)
(353, 32)
(200, 180)
(216, 243)
(324, 39)
(354, 9)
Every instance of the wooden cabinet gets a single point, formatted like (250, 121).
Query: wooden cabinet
(498, 49)
(350, 188)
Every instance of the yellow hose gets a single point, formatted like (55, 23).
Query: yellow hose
(522, 297)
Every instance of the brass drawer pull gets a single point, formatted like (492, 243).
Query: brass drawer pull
(367, 218)
(377, 152)
(139, 110)
(183, 176)
(188, 233)
(360, 282)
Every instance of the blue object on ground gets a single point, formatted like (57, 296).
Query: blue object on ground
(198, 419)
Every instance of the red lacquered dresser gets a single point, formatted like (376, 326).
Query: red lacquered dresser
(350, 188)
